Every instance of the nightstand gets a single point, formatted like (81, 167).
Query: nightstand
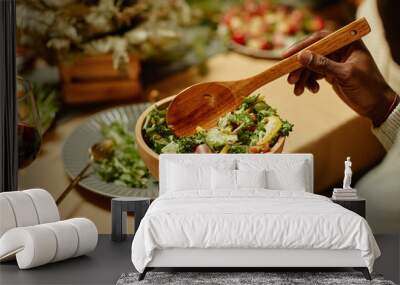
(356, 205)
(119, 209)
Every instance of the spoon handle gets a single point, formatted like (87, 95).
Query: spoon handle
(329, 44)
(73, 183)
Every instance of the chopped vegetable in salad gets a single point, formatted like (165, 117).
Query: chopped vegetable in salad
(124, 166)
(254, 127)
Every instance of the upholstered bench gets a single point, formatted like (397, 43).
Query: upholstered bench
(31, 230)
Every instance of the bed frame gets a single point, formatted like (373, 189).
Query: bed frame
(245, 258)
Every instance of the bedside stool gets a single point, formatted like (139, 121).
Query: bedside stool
(355, 205)
(119, 209)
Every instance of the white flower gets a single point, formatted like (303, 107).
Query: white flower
(137, 36)
(115, 45)
(101, 16)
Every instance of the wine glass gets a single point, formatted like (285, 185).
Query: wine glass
(28, 124)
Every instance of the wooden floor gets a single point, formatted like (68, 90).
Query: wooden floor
(110, 260)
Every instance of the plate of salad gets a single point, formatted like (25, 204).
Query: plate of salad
(124, 172)
(264, 29)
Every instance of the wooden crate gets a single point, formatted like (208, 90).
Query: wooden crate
(93, 79)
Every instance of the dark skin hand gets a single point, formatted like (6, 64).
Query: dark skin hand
(352, 73)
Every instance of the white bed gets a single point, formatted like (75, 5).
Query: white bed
(201, 226)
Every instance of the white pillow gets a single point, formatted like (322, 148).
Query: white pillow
(284, 172)
(226, 179)
(223, 179)
(251, 178)
(183, 177)
(293, 178)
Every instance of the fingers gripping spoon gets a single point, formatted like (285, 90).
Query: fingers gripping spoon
(203, 104)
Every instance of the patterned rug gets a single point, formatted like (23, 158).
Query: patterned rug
(253, 278)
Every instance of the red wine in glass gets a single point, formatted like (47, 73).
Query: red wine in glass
(29, 141)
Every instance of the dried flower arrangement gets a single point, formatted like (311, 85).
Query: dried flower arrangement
(145, 28)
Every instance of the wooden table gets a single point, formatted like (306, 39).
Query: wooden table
(324, 126)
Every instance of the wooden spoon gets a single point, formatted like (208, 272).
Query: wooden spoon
(203, 104)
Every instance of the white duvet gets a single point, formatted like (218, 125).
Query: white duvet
(250, 219)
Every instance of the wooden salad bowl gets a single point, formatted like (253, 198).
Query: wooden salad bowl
(150, 157)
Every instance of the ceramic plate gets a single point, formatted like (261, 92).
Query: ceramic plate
(75, 151)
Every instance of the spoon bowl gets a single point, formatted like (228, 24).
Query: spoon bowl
(197, 102)
(101, 150)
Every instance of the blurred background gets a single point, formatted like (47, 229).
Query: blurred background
(78, 58)
(60, 41)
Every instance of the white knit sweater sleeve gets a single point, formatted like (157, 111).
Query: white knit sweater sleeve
(387, 132)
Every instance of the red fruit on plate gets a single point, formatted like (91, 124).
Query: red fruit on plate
(292, 29)
(318, 23)
(239, 38)
(266, 45)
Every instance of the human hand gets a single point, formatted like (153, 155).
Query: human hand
(352, 73)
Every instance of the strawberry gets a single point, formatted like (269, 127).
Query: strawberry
(318, 23)
(292, 29)
(239, 38)
(267, 45)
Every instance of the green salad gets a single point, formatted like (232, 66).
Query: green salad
(254, 127)
(124, 166)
